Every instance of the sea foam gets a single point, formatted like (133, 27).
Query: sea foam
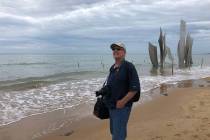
(15, 105)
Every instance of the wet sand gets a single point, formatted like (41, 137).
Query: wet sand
(39, 125)
(177, 112)
(182, 112)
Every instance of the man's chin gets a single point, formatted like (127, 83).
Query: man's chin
(117, 58)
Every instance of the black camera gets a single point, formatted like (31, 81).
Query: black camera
(104, 91)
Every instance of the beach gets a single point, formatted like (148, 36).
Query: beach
(55, 56)
(180, 114)
(49, 98)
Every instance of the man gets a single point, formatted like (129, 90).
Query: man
(124, 84)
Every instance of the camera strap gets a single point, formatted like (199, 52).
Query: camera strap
(105, 82)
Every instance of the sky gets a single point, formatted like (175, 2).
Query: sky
(90, 26)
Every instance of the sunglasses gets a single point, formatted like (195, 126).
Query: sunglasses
(116, 49)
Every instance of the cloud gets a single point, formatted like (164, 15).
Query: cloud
(91, 23)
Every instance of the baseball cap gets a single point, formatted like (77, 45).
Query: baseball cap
(118, 45)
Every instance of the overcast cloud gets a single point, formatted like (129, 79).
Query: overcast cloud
(91, 25)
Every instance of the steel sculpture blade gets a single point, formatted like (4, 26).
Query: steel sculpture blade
(153, 55)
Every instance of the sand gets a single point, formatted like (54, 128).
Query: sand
(181, 113)
(177, 112)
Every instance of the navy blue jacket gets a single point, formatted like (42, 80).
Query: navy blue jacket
(121, 80)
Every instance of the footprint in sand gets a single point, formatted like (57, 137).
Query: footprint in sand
(208, 135)
(188, 117)
(195, 136)
(205, 119)
(202, 103)
(197, 129)
(177, 135)
(170, 124)
(68, 133)
(192, 108)
(203, 127)
(158, 138)
(185, 132)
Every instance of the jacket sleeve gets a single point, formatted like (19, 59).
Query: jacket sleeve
(133, 78)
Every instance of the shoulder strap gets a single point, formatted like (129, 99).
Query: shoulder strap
(127, 68)
(105, 82)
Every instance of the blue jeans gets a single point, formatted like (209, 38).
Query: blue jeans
(118, 122)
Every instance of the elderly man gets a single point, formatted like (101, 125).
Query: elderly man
(124, 83)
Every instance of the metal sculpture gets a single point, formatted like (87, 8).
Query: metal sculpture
(184, 50)
(153, 55)
(162, 45)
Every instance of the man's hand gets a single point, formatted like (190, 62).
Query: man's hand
(120, 104)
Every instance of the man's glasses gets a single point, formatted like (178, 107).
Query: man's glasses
(116, 49)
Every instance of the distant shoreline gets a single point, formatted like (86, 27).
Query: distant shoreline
(99, 53)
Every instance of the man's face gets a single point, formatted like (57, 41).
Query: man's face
(118, 53)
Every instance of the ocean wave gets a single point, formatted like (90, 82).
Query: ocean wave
(37, 82)
(25, 64)
(15, 105)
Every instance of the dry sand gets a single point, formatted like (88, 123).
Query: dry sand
(182, 115)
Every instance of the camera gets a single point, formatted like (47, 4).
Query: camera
(104, 91)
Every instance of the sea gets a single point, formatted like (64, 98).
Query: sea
(38, 83)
